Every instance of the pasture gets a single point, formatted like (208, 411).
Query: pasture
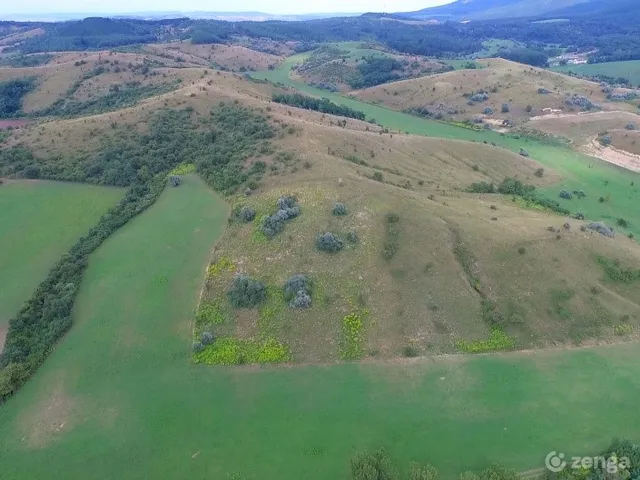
(629, 69)
(573, 167)
(121, 395)
(39, 221)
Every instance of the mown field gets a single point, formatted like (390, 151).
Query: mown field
(629, 69)
(39, 221)
(120, 394)
(572, 166)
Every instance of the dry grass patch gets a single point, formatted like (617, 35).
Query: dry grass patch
(504, 82)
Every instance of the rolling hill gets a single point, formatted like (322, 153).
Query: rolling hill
(498, 9)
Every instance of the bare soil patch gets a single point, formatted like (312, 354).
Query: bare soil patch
(613, 155)
(53, 415)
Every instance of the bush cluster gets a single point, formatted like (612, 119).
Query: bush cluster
(328, 242)
(246, 292)
(287, 209)
(567, 195)
(246, 214)
(392, 241)
(297, 291)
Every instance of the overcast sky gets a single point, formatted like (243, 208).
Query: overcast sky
(268, 6)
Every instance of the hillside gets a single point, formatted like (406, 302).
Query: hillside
(490, 9)
(478, 95)
(295, 276)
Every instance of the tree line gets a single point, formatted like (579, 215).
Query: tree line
(140, 162)
(323, 105)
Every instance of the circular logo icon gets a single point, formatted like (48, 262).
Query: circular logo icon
(554, 462)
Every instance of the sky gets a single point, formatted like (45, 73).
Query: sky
(266, 6)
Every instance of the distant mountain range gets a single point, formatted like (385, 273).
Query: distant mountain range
(462, 10)
(229, 16)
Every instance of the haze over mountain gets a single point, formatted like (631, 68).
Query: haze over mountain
(494, 9)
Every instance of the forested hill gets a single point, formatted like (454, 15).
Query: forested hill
(491, 9)
(612, 30)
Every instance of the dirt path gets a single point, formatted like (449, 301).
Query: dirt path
(612, 155)
(577, 115)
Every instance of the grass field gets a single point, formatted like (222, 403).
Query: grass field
(39, 221)
(629, 69)
(572, 166)
(120, 394)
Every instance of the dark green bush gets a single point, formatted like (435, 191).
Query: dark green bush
(339, 209)
(328, 242)
(246, 292)
(297, 291)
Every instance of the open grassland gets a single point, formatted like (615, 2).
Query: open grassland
(39, 221)
(235, 58)
(574, 167)
(121, 395)
(504, 82)
(628, 69)
(78, 77)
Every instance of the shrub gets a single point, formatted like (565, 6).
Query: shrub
(297, 291)
(522, 250)
(274, 224)
(246, 292)
(286, 202)
(377, 176)
(339, 209)
(488, 111)
(478, 97)
(475, 168)
(206, 338)
(410, 351)
(524, 153)
(352, 237)
(422, 472)
(622, 223)
(175, 180)
(328, 242)
(301, 300)
(539, 172)
(246, 214)
(529, 109)
(580, 193)
(505, 108)
(605, 140)
(543, 91)
(482, 187)
(630, 126)
(197, 347)
(392, 217)
(566, 195)
(602, 229)
(579, 216)
(372, 466)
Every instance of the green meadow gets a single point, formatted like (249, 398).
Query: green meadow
(120, 398)
(39, 221)
(629, 69)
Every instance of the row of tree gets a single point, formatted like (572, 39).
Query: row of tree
(323, 105)
(219, 148)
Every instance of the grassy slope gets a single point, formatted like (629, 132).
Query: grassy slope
(629, 70)
(120, 394)
(574, 167)
(39, 221)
